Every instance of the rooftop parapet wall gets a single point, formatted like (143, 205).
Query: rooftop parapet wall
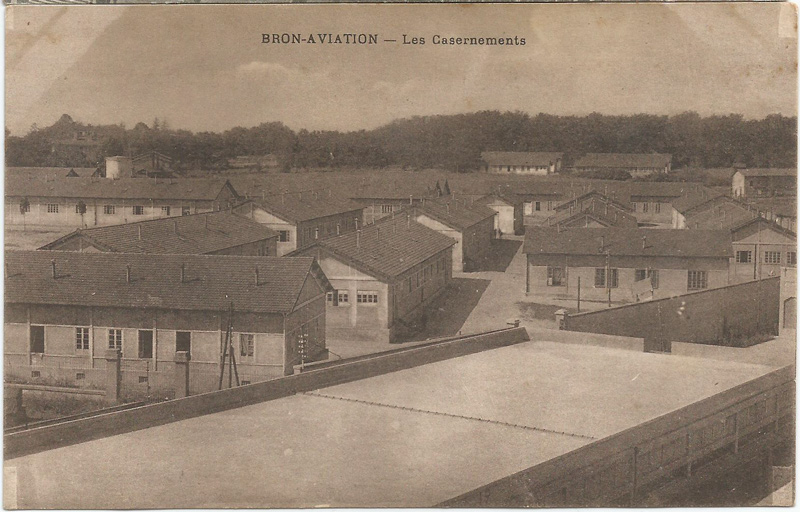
(721, 316)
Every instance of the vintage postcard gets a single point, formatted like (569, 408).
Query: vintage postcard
(294, 256)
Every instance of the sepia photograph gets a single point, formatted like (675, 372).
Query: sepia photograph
(406, 256)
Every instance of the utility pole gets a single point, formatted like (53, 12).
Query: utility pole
(579, 294)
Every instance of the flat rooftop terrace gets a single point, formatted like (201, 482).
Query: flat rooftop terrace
(415, 437)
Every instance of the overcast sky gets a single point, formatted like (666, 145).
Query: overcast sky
(205, 68)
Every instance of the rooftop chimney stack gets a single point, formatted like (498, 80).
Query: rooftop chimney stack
(602, 243)
(140, 231)
(53, 263)
(127, 273)
(408, 220)
(358, 238)
(644, 242)
(257, 281)
(175, 226)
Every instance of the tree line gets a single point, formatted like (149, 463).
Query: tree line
(447, 142)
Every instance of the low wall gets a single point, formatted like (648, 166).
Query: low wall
(721, 316)
(586, 338)
(45, 438)
(672, 450)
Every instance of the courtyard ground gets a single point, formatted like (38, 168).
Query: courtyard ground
(31, 238)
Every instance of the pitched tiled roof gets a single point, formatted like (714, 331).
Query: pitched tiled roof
(695, 196)
(769, 172)
(623, 160)
(457, 214)
(508, 197)
(201, 189)
(593, 196)
(211, 282)
(202, 233)
(599, 210)
(520, 158)
(386, 248)
(725, 214)
(302, 206)
(629, 242)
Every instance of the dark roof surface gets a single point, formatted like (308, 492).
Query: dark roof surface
(724, 215)
(202, 233)
(457, 214)
(201, 189)
(624, 160)
(43, 173)
(628, 242)
(769, 172)
(520, 158)
(594, 196)
(302, 206)
(212, 282)
(387, 247)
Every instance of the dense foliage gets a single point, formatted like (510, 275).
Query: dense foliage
(452, 142)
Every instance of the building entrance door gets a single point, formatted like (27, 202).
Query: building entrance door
(790, 313)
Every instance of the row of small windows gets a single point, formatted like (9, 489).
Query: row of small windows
(343, 297)
(645, 207)
(426, 273)
(183, 340)
(111, 209)
(771, 257)
(696, 279)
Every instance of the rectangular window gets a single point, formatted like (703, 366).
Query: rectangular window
(600, 278)
(78, 209)
(633, 205)
(555, 276)
(367, 297)
(658, 207)
(537, 206)
(645, 207)
(246, 345)
(37, 339)
(115, 339)
(52, 208)
(82, 338)
(697, 280)
(344, 297)
(186, 210)
(549, 205)
(26, 208)
(773, 257)
(166, 210)
(109, 209)
(640, 274)
(284, 236)
(138, 210)
(145, 344)
(183, 341)
(744, 256)
(791, 258)
(386, 208)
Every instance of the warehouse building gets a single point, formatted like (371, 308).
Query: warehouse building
(764, 182)
(761, 248)
(636, 164)
(471, 225)
(303, 218)
(64, 310)
(385, 276)
(592, 210)
(83, 202)
(203, 233)
(521, 162)
(624, 265)
(509, 208)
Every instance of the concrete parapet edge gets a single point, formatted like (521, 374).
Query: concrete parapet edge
(22, 443)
